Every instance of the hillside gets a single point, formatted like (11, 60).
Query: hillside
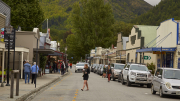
(164, 10)
(57, 11)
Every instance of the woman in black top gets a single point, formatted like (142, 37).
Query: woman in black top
(86, 71)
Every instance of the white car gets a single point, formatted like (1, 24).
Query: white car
(166, 81)
(79, 67)
(136, 73)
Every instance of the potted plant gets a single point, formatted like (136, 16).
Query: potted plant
(1, 75)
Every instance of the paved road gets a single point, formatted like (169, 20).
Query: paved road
(68, 89)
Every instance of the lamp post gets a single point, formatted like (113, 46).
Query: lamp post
(8, 31)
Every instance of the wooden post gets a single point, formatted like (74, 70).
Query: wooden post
(12, 85)
(17, 84)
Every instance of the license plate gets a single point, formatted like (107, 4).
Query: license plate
(177, 93)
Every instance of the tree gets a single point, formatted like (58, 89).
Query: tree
(25, 13)
(92, 22)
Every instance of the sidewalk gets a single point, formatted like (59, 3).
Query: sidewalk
(26, 88)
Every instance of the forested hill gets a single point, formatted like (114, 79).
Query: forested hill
(124, 10)
(166, 9)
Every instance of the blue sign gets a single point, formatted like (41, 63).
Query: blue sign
(2, 29)
(72, 57)
(179, 63)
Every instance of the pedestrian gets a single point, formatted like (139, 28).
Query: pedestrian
(62, 69)
(109, 72)
(34, 72)
(27, 70)
(71, 65)
(54, 66)
(86, 72)
(59, 67)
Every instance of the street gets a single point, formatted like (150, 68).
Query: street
(69, 89)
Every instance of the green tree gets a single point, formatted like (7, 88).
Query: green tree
(25, 13)
(92, 22)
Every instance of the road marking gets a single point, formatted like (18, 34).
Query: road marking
(73, 100)
(51, 87)
(54, 85)
(75, 94)
(74, 97)
(146, 93)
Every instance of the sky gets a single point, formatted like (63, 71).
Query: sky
(153, 2)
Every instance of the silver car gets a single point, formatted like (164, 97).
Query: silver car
(166, 81)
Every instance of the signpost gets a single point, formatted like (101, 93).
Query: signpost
(147, 57)
(9, 39)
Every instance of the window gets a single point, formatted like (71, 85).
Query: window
(158, 72)
(133, 38)
(112, 65)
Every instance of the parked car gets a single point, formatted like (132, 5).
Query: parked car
(136, 73)
(79, 67)
(99, 68)
(116, 69)
(96, 67)
(92, 67)
(101, 71)
(166, 81)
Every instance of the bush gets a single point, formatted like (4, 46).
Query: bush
(151, 66)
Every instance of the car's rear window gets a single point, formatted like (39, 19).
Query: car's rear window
(80, 64)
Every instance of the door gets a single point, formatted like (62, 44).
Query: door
(126, 72)
(159, 80)
(155, 78)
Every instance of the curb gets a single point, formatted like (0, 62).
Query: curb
(27, 95)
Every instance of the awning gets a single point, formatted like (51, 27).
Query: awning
(44, 51)
(56, 53)
(157, 49)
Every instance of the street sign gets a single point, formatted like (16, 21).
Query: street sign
(147, 58)
(2, 32)
(2, 29)
(72, 57)
(11, 39)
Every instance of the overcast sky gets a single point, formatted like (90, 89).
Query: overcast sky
(153, 2)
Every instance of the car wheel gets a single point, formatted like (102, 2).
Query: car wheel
(113, 78)
(161, 93)
(128, 82)
(118, 79)
(75, 71)
(148, 85)
(152, 90)
(122, 81)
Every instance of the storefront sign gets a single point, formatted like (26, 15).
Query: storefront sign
(147, 58)
(46, 71)
(157, 52)
(179, 63)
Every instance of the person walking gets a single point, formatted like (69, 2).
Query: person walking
(62, 69)
(54, 66)
(59, 67)
(27, 70)
(70, 65)
(86, 72)
(34, 72)
(109, 72)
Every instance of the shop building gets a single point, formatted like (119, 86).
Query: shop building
(166, 49)
(141, 36)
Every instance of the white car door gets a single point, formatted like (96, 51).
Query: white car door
(125, 72)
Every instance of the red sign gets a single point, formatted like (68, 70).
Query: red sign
(2, 32)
